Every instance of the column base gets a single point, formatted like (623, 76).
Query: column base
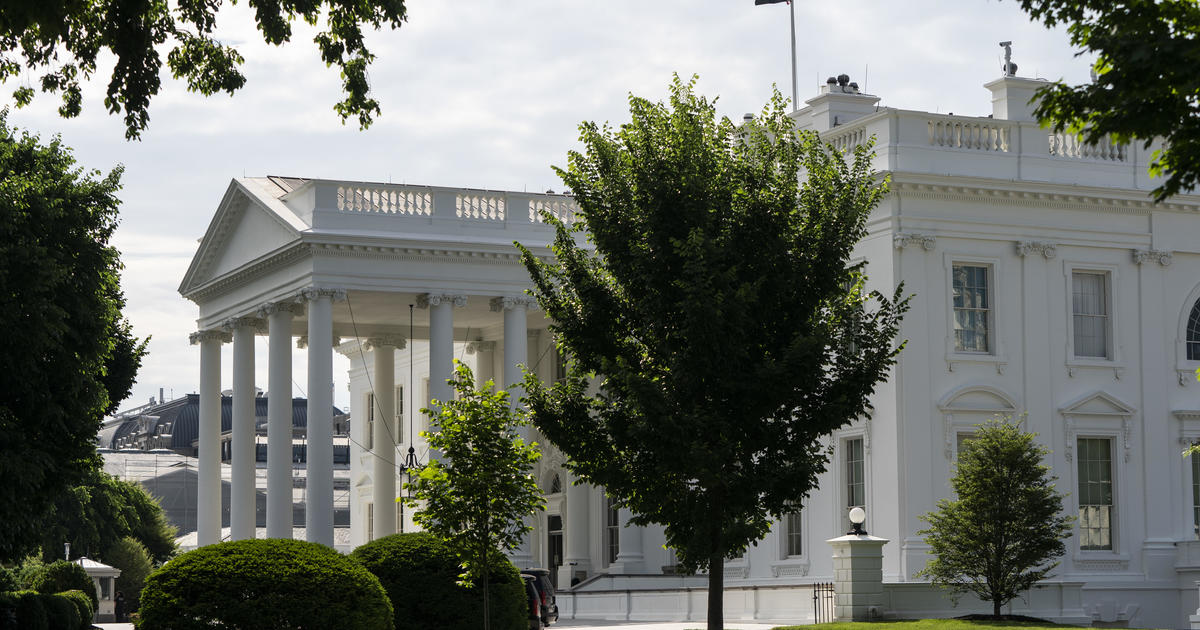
(630, 566)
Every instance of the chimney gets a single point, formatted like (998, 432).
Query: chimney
(838, 103)
(160, 395)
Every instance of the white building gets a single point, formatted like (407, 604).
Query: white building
(1047, 284)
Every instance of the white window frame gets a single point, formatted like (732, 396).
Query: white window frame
(1115, 514)
(842, 513)
(989, 271)
(606, 509)
(401, 437)
(996, 273)
(369, 425)
(1185, 368)
(1108, 303)
(1111, 427)
(1112, 278)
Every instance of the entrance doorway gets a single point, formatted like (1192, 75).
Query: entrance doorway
(554, 546)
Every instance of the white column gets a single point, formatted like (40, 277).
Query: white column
(208, 463)
(318, 510)
(630, 558)
(516, 353)
(279, 418)
(575, 531)
(242, 505)
(441, 341)
(485, 361)
(383, 475)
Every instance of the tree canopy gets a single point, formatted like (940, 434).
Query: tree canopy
(64, 40)
(1001, 533)
(1146, 84)
(70, 356)
(719, 311)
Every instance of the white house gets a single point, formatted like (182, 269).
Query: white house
(1047, 284)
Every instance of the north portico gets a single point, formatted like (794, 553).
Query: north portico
(334, 266)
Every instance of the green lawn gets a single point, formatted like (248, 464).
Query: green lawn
(924, 624)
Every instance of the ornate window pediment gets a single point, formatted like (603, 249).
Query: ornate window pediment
(1098, 404)
(978, 399)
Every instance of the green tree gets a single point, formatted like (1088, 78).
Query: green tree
(131, 557)
(60, 296)
(1146, 79)
(478, 495)
(1001, 533)
(96, 515)
(63, 39)
(719, 311)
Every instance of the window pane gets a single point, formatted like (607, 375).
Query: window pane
(972, 308)
(855, 477)
(794, 533)
(1095, 493)
(1196, 494)
(1089, 307)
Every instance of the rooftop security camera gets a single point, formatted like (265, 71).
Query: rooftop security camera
(1004, 44)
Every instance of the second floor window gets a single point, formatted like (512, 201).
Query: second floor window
(856, 485)
(1089, 311)
(972, 308)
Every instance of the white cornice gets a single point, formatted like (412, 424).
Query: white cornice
(1035, 194)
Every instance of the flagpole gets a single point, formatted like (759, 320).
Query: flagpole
(795, 94)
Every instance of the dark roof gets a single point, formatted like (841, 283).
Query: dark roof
(181, 418)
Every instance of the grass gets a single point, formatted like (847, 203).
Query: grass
(924, 624)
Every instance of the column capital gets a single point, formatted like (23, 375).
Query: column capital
(1047, 250)
(1160, 256)
(425, 300)
(509, 302)
(270, 308)
(302, 342)
(904, 239)
(474, 347)
(313, 293)
(255, 323)
(200, 336)
(378, 341)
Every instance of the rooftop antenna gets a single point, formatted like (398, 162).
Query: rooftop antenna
(1010, 68)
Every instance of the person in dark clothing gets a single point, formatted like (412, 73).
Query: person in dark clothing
(119, 607)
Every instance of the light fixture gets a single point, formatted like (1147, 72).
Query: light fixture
(67, 546)
(858, 516)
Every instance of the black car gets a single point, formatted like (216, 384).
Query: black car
(535, 602)
(545, 589)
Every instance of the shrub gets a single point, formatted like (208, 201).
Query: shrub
(61, 576)
(420, 574)
(60, 611)
(8, 580)
(263, 585)
(31, 567)
(83, 605)
(31, 611)
(131, 557)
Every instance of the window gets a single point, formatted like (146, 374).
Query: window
(370, 522)
(1196, 494)
(1095, 494)
(972, 308)
(1193, 333)
(793, 530)
(369, 438)
(1089, 310)
(855, 478)
(560, 365)
(612, 531)
(962, 439)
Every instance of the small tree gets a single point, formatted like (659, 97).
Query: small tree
(477, 496)
(1000, 536)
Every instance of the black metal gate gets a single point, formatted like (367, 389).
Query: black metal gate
(823, 602)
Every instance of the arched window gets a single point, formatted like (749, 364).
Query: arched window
(1193, 333)
(555, 485)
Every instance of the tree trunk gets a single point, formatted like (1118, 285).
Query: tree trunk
(996, 608)
(487, 577)
(716, 592)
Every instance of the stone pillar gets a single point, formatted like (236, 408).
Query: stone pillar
(575, 532)
(484, 368)
(384, 438)
(630, 558)
(857, 577)
(318, 510)
(441, 341)
(242, 505)
(208, 462)
(279, 418)
(516, 353)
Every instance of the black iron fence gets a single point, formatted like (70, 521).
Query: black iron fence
(823, 602)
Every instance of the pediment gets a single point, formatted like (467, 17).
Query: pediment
(978, 398)
(247, 226)
(1098, 404)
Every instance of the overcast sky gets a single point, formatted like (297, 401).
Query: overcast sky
(488, 94)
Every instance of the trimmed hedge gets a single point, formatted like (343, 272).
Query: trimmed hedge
(83, 605)
(263, 585)
(30, 610)
(60, 576)
(420, 574)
